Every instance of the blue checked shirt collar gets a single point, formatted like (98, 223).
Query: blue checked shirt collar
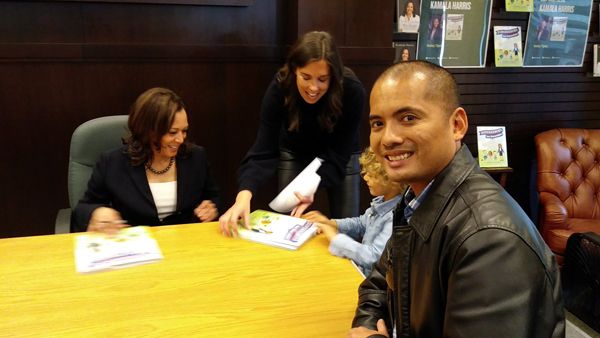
(412, 202)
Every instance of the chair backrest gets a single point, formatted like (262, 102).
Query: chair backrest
(89, 140)
(568, 183)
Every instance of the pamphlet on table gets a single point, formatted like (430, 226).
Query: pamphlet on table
(130, 246)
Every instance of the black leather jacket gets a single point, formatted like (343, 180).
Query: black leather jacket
(470, 264)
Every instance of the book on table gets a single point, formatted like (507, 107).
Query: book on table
(130, 246)
(278, 230)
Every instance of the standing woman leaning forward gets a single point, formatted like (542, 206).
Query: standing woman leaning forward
(157, 178)
(312, 108)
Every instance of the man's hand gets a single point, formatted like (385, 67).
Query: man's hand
(363, 332)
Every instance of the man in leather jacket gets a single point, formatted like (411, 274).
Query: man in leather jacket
(463, 260)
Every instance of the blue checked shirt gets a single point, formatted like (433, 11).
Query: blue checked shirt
(412, 202)
(363, 238)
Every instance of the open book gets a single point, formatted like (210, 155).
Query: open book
(278, 230)
(130, 246)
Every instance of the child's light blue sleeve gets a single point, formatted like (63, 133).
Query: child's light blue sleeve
(364, 254)
(354, 227)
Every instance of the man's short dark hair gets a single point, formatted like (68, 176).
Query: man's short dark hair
(442, 85)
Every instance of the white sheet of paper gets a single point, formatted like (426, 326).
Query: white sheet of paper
(306, 183)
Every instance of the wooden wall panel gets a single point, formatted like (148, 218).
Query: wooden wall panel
(84, 60)
(62, 63)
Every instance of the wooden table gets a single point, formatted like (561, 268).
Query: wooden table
(206, 286)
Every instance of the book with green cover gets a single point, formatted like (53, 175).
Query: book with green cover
(278, 230)
(519, 5)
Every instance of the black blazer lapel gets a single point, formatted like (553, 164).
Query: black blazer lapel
(184, 173)
(138, 176)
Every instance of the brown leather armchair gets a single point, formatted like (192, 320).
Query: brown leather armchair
(568, 183)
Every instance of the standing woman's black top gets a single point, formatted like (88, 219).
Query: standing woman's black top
(309, 141)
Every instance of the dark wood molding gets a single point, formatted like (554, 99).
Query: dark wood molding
(367, 55)
(15, 52)
(11, 52)
(172, 2)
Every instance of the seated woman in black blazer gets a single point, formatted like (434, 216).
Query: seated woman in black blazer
(157, 178)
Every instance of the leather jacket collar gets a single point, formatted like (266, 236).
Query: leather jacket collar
(428, 213)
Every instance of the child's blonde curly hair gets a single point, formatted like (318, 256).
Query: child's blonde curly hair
(371, 166)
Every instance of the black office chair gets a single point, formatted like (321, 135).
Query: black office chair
(89, 140)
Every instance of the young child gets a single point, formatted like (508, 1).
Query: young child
(363, 238)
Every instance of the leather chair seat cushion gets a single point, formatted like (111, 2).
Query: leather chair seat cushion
(557, 238)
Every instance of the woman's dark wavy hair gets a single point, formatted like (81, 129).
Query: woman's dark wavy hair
(406, 7)
(313, 46)
(151, 117)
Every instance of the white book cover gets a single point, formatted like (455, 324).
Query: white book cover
(508, 50)
(454, 26)
(491, 146)
(130, 246)
(278, 230)
(559, 28)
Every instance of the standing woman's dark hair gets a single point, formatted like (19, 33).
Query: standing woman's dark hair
(151, 117)
(313, 46)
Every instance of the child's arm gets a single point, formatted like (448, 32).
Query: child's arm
(368, 252)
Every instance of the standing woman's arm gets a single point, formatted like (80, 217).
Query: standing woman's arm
(261, 160)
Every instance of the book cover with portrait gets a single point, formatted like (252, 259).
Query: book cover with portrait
(405, 51)
(408, 16)
(491, 146)
(508, 51)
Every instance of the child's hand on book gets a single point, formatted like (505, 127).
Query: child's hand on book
(327, 230)
(317, 217)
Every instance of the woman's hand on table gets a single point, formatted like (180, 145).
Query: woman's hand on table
(106, 220)
(206, 211)
(228, 222)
